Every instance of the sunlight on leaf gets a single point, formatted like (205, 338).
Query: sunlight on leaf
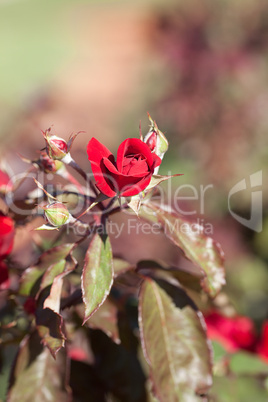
(36, 375)
(97, 276)
(197, 247)
(174, 343)
(51, 257)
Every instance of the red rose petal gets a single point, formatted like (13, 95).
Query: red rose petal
(123, 182)
(133, 146)
(96, 152)
(137, 188)
(133, 166)
(157, 161)
(113, 170)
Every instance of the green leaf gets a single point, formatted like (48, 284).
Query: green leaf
(60, 268)
(189, 277)
(31, 275)
(135, 204)
(97, 276)
(50, 328)
(105, 318)
(219, 352)
(157, 179)
(121, 266)
(48, 320)
(37, 377)
(247, 364)
(29, 278)
(238, 389)
(174, 343)
(197, 247)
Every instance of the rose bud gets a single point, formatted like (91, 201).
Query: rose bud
(156, 140)
(56, 147)
(127, 176)
(151, 141)
(56, 213)
(5, 182)
(49, 165)
(7, 233)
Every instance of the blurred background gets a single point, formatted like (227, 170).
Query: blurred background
(199, 68)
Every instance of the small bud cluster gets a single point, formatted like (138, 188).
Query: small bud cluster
(49, 165)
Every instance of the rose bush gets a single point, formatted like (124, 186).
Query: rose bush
(129, 174)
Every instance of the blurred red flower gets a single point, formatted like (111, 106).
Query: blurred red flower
(5, 182)
(77, 354)
(7, 234)
(262, 348)
(233, 333)
(4, 278)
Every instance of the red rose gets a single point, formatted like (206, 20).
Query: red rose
(262, 348)
(233, 333)
(129, 174)
(5, 182)
(6, 235)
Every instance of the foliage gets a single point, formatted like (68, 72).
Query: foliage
(87, 324)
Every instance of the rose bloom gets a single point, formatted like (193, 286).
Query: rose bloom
(262, 347)
(233, 333)
(5, 182)
(129, 174)
(7, 234)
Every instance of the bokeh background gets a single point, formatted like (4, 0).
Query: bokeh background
(199, 67)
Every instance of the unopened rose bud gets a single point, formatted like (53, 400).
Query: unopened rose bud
(57, 147)
(151, 141)
(49, 165)
(57, 214)
(156, 140)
